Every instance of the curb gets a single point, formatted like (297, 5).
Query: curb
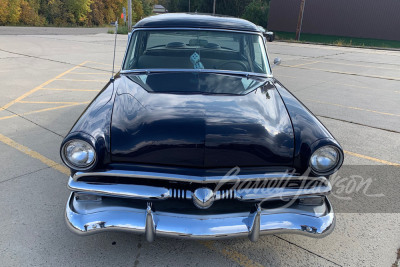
(352, 46)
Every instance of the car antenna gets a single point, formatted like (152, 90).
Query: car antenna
(115, 45)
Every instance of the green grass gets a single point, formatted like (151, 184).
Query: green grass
(121, 30)
(338, 40)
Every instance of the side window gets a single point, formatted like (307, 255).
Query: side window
(258, 56)
(129, 61)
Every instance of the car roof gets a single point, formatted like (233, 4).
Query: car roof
(194, 20)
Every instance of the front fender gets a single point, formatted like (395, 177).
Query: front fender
(310, 134)
(94, 124)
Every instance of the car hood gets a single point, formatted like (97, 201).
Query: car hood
(202, 129)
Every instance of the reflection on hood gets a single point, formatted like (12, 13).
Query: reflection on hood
(197, 83)
(200, 130)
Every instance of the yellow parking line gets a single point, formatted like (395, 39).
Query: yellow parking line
(355, 108)
(77, 80)
(372, 159)
(40, 86)
(47, 102)
(68, 89)
(357, 86)
(348, 73)
(356, 65)
(233, 255)
(34, 154)
(90, 73)
(41, 110)
(343, 84)
(288, 76)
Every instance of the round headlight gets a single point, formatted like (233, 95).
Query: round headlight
(325, 160)
(78, 155)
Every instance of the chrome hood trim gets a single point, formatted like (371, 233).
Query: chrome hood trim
(183, 178)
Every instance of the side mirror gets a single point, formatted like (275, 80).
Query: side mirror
(277, 61)
(269, 36)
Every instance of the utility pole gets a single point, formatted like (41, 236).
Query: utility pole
(214, 7)
(189, 6)
(129, 15)
(300, 19)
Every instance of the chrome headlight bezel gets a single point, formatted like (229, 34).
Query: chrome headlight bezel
(71, 164)
(333, 168)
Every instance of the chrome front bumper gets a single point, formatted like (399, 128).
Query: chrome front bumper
(158, 210)
(94, 217)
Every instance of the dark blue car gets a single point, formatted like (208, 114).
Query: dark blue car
(195, 138)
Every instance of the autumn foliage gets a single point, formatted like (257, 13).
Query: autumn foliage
(69, 12)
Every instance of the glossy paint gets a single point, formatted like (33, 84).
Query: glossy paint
(263, 128)
(191, 20)
(310, 134)
(266, 128)
(202, 131)
(93, 125)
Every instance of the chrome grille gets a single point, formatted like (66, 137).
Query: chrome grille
(177, 193)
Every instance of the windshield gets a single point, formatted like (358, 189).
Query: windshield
(196, 49)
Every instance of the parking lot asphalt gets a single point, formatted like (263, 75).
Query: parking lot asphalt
(46, 81)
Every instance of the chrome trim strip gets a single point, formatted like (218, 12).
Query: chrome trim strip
(184, 178)
(120, 190)
(162, 193)
(195, 29)
(94, 218)
(242, 73)
(260, 194)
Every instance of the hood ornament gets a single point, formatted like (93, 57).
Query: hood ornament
(203, 198)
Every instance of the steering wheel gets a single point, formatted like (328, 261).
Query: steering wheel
(241, 65)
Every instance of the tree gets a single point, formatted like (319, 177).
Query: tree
(29, 13)
(257, 12)
(224, 7)
(3, 12)
(137, 10)
(148, 7)
(97, 17)
(53, 12)
(77, 11)
(14, 11)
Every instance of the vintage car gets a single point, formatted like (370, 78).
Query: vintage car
(195, 138)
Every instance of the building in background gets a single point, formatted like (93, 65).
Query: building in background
(351, 18)
(159, 9)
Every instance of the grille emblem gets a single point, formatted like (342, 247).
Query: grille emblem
(203, 198)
